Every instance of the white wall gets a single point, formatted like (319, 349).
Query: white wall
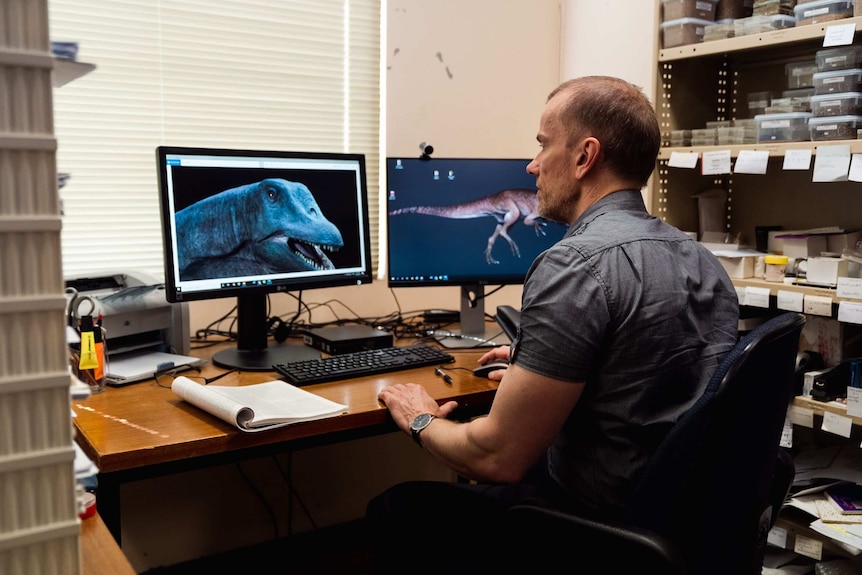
(612, 38)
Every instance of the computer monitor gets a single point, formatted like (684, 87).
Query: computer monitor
(467, 222)
(247, 223)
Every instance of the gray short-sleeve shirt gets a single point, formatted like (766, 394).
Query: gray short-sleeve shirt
(640, 313)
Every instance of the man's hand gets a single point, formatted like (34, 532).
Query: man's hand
(407, 400)
(500, 353)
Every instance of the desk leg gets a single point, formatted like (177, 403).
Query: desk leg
(108, 503)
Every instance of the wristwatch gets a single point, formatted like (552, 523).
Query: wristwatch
(419, 423)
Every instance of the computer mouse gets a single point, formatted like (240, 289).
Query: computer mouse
(485, 369)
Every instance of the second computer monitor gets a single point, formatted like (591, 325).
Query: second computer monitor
(467, 222)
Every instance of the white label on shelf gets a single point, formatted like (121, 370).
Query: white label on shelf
(682, 160)
(836, 424)
(802, 416)
(850, 312)
(849, 288)
(856, 168)
(854, 401)
(790, 300)
(757, 296)
(832, 163)
(797, 159)
(817, 305)
(715, 163)
(839, 35)
(808, 547)
(777, 537)
(751, 162)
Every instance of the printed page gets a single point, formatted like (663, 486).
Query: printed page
(200, 396)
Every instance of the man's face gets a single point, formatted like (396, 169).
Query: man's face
(558, 188)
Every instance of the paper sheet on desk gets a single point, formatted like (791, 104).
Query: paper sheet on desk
(842, 463)
(137, 366)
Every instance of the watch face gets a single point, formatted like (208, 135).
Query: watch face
(420, 421)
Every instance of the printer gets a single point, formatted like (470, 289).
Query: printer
(134, 311)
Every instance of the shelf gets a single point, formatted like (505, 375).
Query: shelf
(821, 407)
(800, 34)
(775, 286)
(67, 70)
(774, 149)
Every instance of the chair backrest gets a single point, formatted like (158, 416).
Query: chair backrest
(708, 486)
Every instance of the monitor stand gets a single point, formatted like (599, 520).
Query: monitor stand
(253, 352)
(474, 332)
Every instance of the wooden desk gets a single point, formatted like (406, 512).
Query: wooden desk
(143, 430)
(100, 553)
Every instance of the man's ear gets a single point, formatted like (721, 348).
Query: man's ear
(586, 156)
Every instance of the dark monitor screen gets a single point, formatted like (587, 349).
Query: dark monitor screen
(467, 222)
(247, 223)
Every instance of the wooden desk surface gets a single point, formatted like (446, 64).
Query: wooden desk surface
(100, 554)
(144, 424)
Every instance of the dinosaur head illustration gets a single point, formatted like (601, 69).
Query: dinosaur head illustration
(270, 226)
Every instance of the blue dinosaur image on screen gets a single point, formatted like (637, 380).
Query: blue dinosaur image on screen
(247, 224)
(266, 227)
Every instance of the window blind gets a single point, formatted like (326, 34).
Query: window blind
(302, 75)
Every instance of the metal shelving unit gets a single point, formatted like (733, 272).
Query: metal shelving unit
(39, 523)
(709, 81)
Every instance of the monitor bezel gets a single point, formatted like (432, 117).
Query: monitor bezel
(315, 281)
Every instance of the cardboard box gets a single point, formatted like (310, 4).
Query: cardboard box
(825, 270)
(836, 243)
(738, 268)
(803, 246)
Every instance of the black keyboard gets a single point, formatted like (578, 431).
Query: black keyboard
(361, 363)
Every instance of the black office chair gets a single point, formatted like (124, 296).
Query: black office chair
(712, 491)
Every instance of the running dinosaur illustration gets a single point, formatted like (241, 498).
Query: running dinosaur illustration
(269, 226)
(506, 206)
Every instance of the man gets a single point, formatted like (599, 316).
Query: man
(622, 323)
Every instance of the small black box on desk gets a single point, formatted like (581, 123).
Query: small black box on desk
(347, 338)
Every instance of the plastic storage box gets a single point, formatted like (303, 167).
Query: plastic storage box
(834, 127)
(800, 96)
(786, 127)
(762, 24)
(841, 58)
(719, 30)
(818, 11)
(800, 74)
(838, 81)
(773, 7)
(843, 104)
(758, 102)
(683, 31)
(676, 9)
(732, 9)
